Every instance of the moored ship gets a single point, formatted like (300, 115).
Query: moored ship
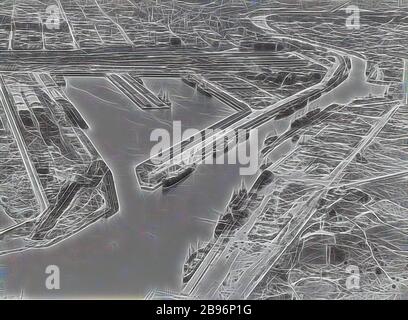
(189, 80)
(204, 90)
(175, 177)
(164, 97)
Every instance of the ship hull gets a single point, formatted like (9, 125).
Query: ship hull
(203, 91)
(189, 82)
(173, 181)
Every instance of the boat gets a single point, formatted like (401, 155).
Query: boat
(265, 163)
(305, 120)
(189, 80)
(242, 135)
(203, 89)
(269, 140)
(173, 178)
(238, 198)
(138, 80)
(164, 97)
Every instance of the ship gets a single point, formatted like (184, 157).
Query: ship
(238, 198)
(242, 135)
(305, 120)
(229, 144)
(203, 89)
(138, 80)
(269, 140)
(164, 97)
(173, 178)
(189, 80)
(265, 163)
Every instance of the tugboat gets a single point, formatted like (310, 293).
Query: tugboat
(173, 178)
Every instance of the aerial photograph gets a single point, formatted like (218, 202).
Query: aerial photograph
(204, 150)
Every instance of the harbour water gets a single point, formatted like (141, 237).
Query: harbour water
(145, 243)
